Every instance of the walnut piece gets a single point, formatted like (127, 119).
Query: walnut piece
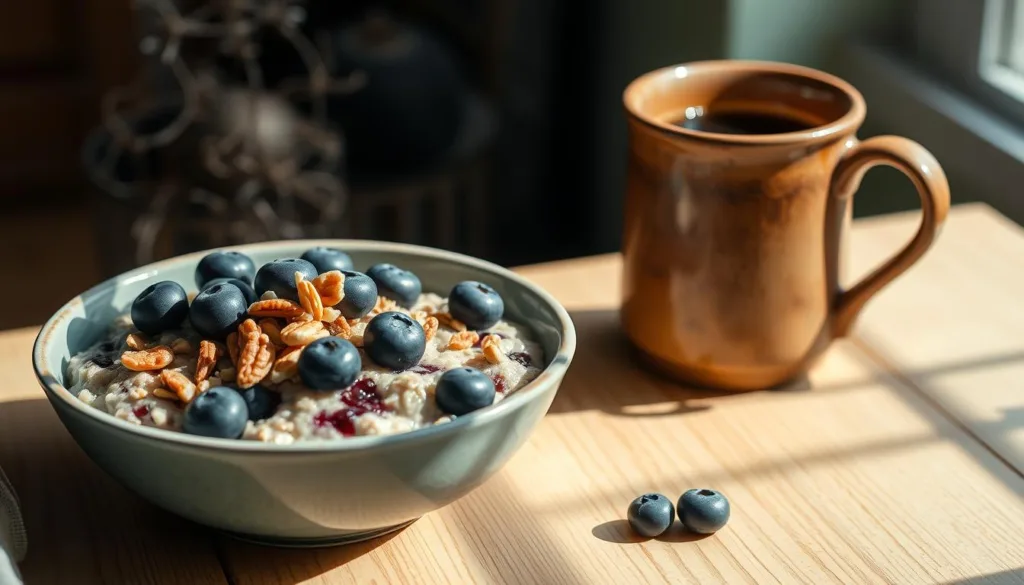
(181, 346)
(309, 298)
(450, 322)
(430, 325)
(303, 332)
(491, 345)
(271, 327)
(463, 340)
(136, 341)
(256, 354)
(286, 366)
(233, 347)
(209, 353)
(179, 384)
(282, 308)
(331, 287)
(154, 358)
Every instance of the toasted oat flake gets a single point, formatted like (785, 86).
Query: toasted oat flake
(282, 308)
(165, 394)
(303, 332)
(383, 305)
(339, 327)
(331, 287)
(181, 346)
(463, 340)
(154, 358)
(331, 314)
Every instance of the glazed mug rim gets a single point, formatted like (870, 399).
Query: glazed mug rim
(844, 125)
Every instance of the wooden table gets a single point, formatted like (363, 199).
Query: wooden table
(899, 459)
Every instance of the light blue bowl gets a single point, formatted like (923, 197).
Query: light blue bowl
(307, 494)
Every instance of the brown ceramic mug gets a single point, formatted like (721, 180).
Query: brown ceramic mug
(740, 182)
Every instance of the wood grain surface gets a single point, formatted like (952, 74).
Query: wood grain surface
(857, 474)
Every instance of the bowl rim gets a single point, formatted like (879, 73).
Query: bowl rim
(552, 372)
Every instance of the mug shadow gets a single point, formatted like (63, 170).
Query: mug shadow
(608, 374)
(619, 532)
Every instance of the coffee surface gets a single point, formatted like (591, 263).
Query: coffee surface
(751, 123)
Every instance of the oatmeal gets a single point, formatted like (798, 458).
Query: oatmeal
(154, 378)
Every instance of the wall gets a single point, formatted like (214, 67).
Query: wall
(638, 36)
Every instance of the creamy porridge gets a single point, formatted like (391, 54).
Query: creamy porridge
(153, 379)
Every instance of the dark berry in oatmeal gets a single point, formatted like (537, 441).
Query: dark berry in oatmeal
(360, 295)
(224, 265)
(329, 363)
(218, 310)
(219, 412)
(650, 515)
(279, 277)
(463, 390)
(328, 259)
(246, 288)
(397, 284)
(476, 304)
(261, 403)
(160, 307)
(394, 340)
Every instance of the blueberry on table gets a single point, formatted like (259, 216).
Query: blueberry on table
(397, 284)
(279, 276)
(219, 412)
(650, 515)
(260, 402)
(360, 295)
(218, 310)
(224, 265)
(394, 340)
(327, 259)
(703, 510)
(245, 287)
(329, 363)
(476, 304)
(463, 390)
(160, 307)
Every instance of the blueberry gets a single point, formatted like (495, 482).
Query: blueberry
(218, 412)
(218, 310)
(703, 511)
(224, 265)
(463, 390)
(327, 259)
(246, 288)
(329, 363)
(360, 295)
(279, 276)
(260, 402)
(396, 284)
(476, 304)
(650, 515)
(394, 340)
(160, 307)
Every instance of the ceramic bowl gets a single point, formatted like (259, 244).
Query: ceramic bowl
(317, 493)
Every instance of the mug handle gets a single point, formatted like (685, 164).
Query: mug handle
(924, 171)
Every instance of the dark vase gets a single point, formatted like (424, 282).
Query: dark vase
(408, 112)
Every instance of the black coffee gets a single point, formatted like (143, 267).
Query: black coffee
(742, 123)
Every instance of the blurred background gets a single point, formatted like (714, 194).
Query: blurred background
(135, 130)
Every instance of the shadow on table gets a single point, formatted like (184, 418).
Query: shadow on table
(619, 532)
(607, 375)
(1006, 577)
